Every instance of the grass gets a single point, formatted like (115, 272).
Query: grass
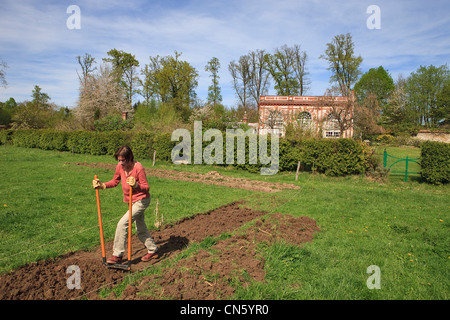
(48, 208)
(402, 228)
(396, 166)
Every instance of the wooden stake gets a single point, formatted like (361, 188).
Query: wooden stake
(298, 169)
(157, 222)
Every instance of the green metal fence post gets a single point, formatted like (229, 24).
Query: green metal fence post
(385, 158)
(406, 170)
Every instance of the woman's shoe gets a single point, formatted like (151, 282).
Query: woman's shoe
(149, 256)
(114, 260)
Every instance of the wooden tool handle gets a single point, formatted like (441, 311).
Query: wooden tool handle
(100, 224)
(130, 205)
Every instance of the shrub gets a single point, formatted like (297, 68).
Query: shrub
(5, 136)
(332, 157)
(290, 154)
(435, 162)
(163, 146)
(26, 138)
(143, 145)
(112, 123)
(96, 143)
(77, 142)
(53, 140)
(385, 139)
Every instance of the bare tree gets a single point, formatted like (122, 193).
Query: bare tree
(240, 73)
(341, 112)
(86, 62)
(366, 116)
(259, 76)
(301, 75)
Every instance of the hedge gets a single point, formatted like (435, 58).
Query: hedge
(435, 162)
(333, 157)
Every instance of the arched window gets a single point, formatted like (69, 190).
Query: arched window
(275, 121)
(305, 119)
(332, 129)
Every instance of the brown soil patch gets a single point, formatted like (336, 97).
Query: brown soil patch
(213, 274)
(212, 177)
(209, 273)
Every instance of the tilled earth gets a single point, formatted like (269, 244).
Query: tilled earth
(207, 274)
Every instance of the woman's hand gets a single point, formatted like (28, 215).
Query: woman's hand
(132, 181)
(96, 184)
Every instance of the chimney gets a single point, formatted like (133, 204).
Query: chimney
(124, 115)
(244, 119)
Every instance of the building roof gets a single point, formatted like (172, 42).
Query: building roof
(295, 100)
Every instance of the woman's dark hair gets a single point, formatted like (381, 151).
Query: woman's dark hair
(124, 151)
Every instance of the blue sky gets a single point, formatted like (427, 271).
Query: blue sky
(40, 50)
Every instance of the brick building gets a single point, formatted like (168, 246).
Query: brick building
(309, 112)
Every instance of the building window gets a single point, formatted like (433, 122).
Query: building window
(332, 129)
(305, 120)
(332, 134)
(275, 122)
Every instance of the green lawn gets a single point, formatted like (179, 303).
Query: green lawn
(48, 208)
(397, 166)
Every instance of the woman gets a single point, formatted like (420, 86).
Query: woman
(130, 173)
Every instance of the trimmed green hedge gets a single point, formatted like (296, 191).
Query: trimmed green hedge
(333, 157)
(435, 162)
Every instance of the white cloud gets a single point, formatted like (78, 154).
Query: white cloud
(39, 49)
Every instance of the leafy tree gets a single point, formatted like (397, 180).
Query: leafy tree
(147, 91)
(35, 114)
(397, 114)
(124, 69)
(40, 97)
(172, 81)
(424, 87)
(214, 95)
(5, 117)
(112, 123)
(287, 68)
(377, 82)
(63, 119)
(145, 112)
(7, 110)
(443, 103)
(342, 62)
